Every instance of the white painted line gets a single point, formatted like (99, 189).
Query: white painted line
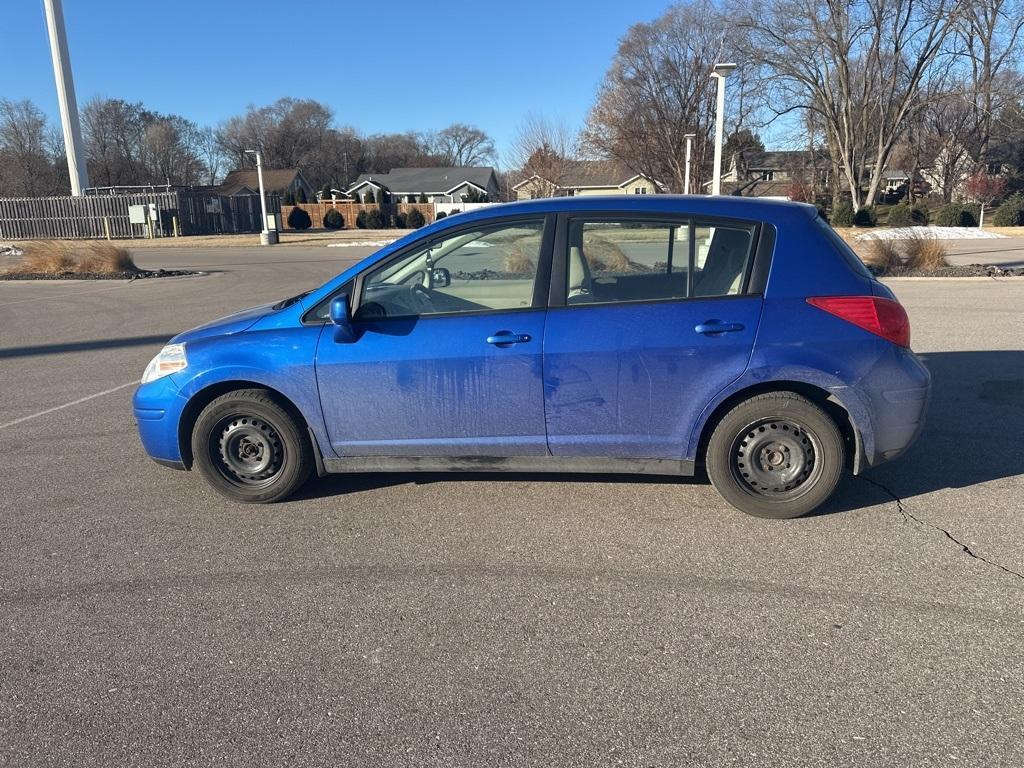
(68, 405)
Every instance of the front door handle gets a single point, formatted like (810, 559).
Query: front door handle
(711, 327)
(507, 338)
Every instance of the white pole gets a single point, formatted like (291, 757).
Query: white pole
(66, 97)
(263, 196)
(716, 182)
(689, 148)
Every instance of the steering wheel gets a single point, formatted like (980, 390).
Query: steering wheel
(420, 298)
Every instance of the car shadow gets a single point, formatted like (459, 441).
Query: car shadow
(974, 430)
(974, 433)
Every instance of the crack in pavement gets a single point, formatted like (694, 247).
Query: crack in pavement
(909, 516)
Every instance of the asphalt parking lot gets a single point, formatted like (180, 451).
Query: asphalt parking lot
(484, 620)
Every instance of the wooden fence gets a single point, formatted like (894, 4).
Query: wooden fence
(100, 216)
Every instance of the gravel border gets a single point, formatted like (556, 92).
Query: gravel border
(144, 274)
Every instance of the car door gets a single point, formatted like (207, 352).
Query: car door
(649, 318)
(446, 355)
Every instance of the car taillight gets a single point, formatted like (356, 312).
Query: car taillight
(883, 317)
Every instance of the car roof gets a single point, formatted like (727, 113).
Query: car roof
(728, 206)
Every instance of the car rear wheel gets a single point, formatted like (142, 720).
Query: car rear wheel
(776, 455)
(250, 448)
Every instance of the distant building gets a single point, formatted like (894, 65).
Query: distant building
(588, 177)
(774, 174)
(283, 181)
(438, 185)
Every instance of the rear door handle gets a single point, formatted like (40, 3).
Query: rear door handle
(711, 327)
(507, 338)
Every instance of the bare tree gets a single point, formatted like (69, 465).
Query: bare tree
(543, 148)
(863, 66)
(30, 154)
(659, 89)
(462, 145)
(990, 34)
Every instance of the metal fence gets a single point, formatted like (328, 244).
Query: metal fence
(100, 216)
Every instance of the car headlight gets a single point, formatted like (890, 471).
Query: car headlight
(170, 360)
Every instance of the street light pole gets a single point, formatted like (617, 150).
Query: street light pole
(66, 96)
(720, 72)
(689, 148)
(266, 236)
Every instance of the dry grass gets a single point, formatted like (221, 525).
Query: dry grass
(53, 257)
(884, 255)
(925, 253)
(518, 263)
(605, 256)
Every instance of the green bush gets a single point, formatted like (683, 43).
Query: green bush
(361, 220)
(900, 215)
(919, 214)
(375, 219)
(865, 217)
(842, 215)
(370, 198)
(958, 215)
(334, 220)
(440, 215)
(415, 219)
(298, 218)
(423, 198)
(1010, 213)
(400, 220)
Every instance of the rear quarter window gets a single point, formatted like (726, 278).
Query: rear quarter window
(844, 250)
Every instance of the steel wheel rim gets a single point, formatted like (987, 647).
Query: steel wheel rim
(776, 459)
(247, 450)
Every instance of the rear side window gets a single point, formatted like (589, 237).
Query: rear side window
(615, 260)
(844, 250)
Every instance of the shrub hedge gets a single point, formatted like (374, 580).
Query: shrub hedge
(1011, 212)
(842, 215)
(415, 219)
(958, 215)
(298, 218)
(334, 220)
(865, 217)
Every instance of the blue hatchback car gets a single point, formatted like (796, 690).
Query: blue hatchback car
(652, 335)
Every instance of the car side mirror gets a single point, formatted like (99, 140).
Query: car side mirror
(440, 277)
(341, 319)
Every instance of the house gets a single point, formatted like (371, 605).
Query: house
(438, 185)
(587, 177)
(282, 181)
(773, 174)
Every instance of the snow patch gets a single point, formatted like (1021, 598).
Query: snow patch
(936, 233)
(10, 250)
(361, 244)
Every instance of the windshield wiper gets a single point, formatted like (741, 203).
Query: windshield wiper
(285, 303)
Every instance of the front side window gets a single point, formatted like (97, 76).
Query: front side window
(490, 268)
(622, 260)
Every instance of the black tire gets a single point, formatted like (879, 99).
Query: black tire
(776, 455)
(250, 448)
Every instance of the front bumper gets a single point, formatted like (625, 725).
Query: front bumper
(158, 406)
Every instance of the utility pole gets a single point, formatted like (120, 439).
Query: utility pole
(689, 149)
(268, 236)
(66, 97)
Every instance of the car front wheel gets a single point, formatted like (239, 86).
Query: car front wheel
(776, 455)
(250, 448)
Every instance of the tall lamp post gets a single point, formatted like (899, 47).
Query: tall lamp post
(689, 149)
(66, 97)
(267, 236)
(720, 72)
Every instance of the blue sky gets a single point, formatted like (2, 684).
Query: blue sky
(381, 66)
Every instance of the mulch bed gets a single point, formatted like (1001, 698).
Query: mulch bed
(142, 274)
